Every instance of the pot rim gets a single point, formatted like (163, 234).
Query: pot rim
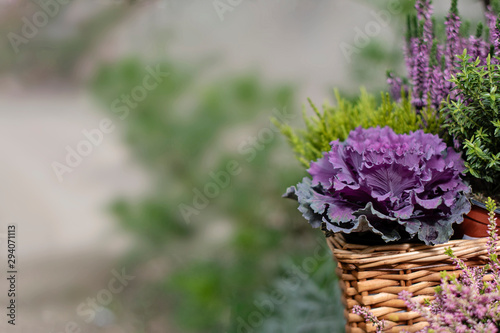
(482, 205)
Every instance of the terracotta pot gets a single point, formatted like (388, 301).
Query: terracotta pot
(475, 224)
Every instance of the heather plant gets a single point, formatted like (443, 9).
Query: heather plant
(336, 122)
(473, 119)
(467, 303)
(431, 61)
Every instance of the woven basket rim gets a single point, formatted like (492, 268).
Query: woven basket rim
(367, 256)
(411, 245)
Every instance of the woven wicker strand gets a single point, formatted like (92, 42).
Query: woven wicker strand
(373, 276)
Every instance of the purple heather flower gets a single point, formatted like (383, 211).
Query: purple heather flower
(413, 51)
(495, 33)
(420, 78)
(439, 91)
(395, 84)
(453, 45)
(478, 48)
(369, 317)
(424, 13)
(491, 22)
(409, 57)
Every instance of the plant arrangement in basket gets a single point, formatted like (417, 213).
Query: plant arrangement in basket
(456, 74)
(400, 171)
(468, 303)
(366, 188)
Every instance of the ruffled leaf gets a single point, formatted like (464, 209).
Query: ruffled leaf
(394, 186)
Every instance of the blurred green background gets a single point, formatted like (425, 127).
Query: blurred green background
(148, 197)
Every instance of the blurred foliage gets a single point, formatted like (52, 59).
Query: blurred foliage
(55, 49)
(370, 62)
(178, 132)
(335, 122)
(369, 66)
(297, 300)
(310, 306)
(184, 130)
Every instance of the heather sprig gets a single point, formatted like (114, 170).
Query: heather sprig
(453, 39)
(494, 264)
(467, 303)
(369, 317)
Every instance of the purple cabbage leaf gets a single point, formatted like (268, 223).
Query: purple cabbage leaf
(395, 186)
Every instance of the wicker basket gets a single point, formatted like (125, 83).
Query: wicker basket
(372, 276)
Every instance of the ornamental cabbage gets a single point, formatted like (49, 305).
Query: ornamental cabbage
(397, 186)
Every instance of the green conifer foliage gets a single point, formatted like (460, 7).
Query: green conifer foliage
(335, 122)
